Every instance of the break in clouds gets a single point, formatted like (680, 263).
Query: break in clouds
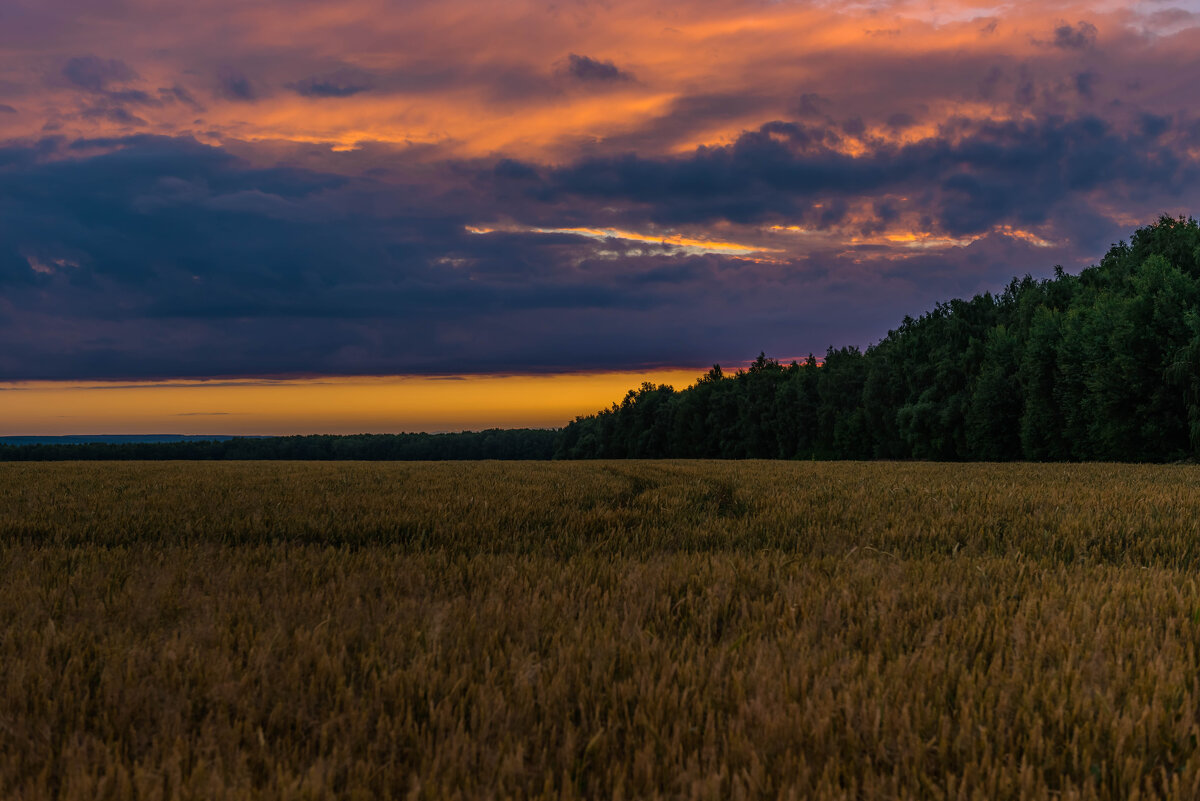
(464, 188)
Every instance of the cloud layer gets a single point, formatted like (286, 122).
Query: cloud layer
(251, 189)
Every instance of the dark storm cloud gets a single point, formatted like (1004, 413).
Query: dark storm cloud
(987, 86)
(115, 114)
(854, 126)
(106, 82)
(1085, 84)
(164, 257)
(986, 174)
(177, 94)
(7, 109)
(1075, 37)
(584, 68)
(97, 74)
(1154, 125)
(811, 104)
(151, 257)
(234, 85)
(1026, 91)
(343, 83)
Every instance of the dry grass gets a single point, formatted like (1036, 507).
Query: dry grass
(709, 630)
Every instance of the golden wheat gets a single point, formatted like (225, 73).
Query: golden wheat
(623, 629)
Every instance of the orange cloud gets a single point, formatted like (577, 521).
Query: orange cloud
(911, 239)
(480, 79)
(674, 242)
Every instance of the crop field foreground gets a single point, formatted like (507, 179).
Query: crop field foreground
(716, 630)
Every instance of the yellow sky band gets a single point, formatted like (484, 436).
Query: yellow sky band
(318, 405)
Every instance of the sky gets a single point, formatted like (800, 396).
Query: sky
(246, 216)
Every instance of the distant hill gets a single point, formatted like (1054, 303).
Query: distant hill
(114, 439)
(518, 443)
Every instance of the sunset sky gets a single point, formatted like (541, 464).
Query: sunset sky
(243, 216)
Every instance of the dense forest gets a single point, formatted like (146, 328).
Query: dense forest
(520, 443)
(1100, 366)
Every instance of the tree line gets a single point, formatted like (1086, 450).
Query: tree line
(1104, 365)
(519, 443)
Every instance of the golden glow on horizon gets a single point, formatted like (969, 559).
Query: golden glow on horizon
(319, 405)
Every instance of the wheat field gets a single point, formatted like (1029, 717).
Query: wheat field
(599, 630)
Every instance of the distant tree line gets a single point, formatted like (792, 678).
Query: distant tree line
(1100, 366)
(521, 443)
